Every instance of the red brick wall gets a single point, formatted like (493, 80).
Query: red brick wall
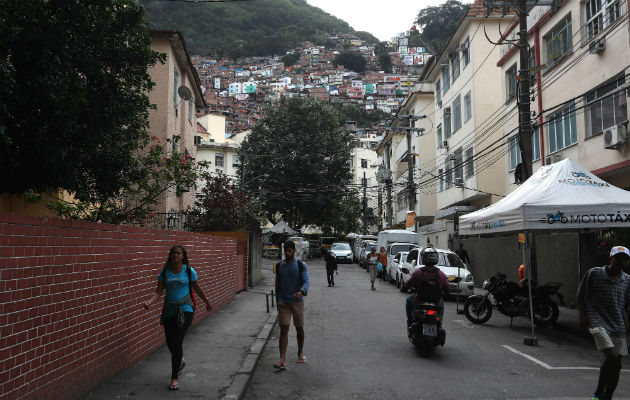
(71, 294)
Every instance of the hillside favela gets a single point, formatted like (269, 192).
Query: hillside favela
(310, 199)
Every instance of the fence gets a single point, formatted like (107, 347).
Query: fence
(71, 294)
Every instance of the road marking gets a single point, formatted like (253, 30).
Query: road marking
(465, 323)
(547, 366)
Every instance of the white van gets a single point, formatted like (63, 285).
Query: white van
(390, 236)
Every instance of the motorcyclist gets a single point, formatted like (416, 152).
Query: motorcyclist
(430, 283)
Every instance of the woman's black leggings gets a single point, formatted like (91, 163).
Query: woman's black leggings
(175, 339)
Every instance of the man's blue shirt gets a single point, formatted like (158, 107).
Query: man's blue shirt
(288, 281)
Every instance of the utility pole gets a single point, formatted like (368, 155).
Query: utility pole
(525, 124)
(410, 184)
(364, 204)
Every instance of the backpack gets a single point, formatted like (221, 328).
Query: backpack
(192, 292)
(429, 287)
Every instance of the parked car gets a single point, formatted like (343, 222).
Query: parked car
(325, 243)
(460, 280)
(394, 248)
(314, 249)
(356, 248)
(366, 246)
(394, 269)
(342, 252)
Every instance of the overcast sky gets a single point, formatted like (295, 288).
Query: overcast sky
(382, 18)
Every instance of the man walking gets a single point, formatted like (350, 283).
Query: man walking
(463, 254)
(292, 282)
(603, 297)
(331, 267)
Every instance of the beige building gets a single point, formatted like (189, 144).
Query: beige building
(468, 171)
(581, 55)
(364, 167)
(174, 116)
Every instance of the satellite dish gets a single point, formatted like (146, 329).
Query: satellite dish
(184, 93)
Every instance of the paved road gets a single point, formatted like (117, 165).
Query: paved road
(356, 347)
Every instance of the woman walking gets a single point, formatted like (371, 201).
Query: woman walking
(178, 278)
(372, 261)
(382, 258)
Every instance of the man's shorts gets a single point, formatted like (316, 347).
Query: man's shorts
(604, 340)
(286, 310)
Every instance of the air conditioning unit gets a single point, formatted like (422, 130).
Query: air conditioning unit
(458, 182)
(615, 136)
(554, 158)
(597, 46)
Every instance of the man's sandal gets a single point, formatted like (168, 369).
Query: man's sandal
(301, 360)
(174, 386)
(280, 365)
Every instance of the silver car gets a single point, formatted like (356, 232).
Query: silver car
(394, 269)
(342, 252)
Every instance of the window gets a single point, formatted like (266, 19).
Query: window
(599, 15)
(467, 107)
(469, 163)
(510, 83)
(364, 163)
(175, 86)
(190, 110)
(447, 123)
(466, 52)
(413, 255)
(605, 110)
(535, 144)
(458, 164)
(218, 160)
(514, 152)
(446, 79)
(441, 180)
(235, 161)
(401, 200)
(449, 173)
(438, 93)
(559, 41)
(439, 136)
(457, 113)
(455, 64)
(175, 144)
(561, 129)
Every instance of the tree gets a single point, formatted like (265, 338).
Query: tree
(290, 59)
(385, 61)
(351, 60)
(74, 106)
(220, 205)
(296, 161)
(347, 216)
(439, 23)
(381, 48)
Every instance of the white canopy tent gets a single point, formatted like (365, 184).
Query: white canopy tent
(560, 196)
(280, 227)
(563, 195)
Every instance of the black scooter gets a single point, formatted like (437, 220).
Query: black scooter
(425, 333)
(512, 300)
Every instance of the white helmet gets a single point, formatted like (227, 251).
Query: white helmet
(430, 256)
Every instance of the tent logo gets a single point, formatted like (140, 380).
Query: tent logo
(578, 178)
(584, 218)
(580, 175)
(553, 218)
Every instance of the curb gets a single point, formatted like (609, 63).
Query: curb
(242, 377)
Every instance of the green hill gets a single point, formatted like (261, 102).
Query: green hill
(246, 28)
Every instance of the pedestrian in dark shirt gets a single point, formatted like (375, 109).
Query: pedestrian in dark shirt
(292, 282)
(331, 267)
(463, 254)
(603, 298)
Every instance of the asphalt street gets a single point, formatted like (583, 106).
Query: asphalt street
(356, 347)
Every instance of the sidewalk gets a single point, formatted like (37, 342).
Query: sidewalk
(221, 353)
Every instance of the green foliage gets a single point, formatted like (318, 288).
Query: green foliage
(381, 48)
(290, 59)
(366, 36)
(385, 62)
(351, 60)
(240, 29)
(439, 23)
(220, 205)
(296, 161)
(354, 112)
(159, 171)
(347, 216)
(73, 96)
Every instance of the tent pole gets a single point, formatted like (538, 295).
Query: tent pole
(530, 341)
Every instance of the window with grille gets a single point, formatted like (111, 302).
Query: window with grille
(446, 79)
(439, 136)
(455, 64)
(458, 164)
(469, 163)
(562, 131)
(448, 174)
(606, 106)
(218, 160)
(599, 15)
(510, 83)
(466, 52)
(467, 107)
(440, 180)
(438, 93)
(457, 113)
(364, 163)
(559, 41)
(447, 123)
(514, 149)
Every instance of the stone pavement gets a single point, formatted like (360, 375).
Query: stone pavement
(221, 353)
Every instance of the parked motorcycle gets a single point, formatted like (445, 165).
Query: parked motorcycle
(512, 300)
(425, 333)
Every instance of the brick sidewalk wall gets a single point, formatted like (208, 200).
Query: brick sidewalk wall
(70, 299)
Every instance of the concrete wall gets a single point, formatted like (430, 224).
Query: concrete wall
(557, 255)
(71, 295)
